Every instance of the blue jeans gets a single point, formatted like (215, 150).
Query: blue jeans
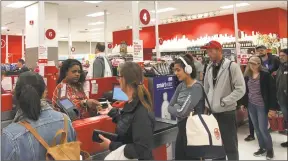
(259, 119)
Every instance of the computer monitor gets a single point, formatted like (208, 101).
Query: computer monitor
(118, 94)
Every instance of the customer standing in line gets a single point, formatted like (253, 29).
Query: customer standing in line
(186, 98)
(135, 123)
(101, 67)
(260, 97)
(282, 87)
(271, 62)
(16, 142)
(224, 84)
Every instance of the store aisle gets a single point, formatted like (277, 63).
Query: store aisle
(246, 149)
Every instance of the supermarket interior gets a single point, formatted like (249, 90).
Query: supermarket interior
(83, 50)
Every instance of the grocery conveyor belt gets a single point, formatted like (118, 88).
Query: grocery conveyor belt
(165, 132)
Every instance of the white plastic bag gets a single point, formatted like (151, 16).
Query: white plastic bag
(117, 154)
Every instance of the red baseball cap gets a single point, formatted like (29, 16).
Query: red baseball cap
(212, 45)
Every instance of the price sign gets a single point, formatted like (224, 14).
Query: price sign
(42, 52)
(110, 46)
(138, 50)
(72, 49)
(160, 41)
(3, 43)
(244, 59)
(144, 17)
(50, 34)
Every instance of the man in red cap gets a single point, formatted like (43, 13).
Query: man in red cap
(224, 84)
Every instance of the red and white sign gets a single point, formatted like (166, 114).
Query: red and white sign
(72, 49)
(31, 22)
(244, 59)
(3, 43)
(144, 17)
(42, 52)
(138, 50)
(50, 34)
(160, 41)
(110, 46)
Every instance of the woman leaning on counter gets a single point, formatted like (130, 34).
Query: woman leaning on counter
(70, 85)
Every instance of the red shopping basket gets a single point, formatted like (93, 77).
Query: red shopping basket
(277, 123)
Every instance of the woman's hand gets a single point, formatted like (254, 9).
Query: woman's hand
(91, 103)
(106, 142)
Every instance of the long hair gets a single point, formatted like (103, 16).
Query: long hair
(133, 75)
(248, 72)
(66, 65)
(190, 61)
(29, 91)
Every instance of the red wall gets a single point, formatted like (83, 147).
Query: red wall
(264, 21)
(14, 48)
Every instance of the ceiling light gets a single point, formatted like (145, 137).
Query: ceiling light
(237, 5)
(164, 10)
(92, 1)
(97, 14)
(4, 28)
(95, 23)
(20, 4)
(96, 29)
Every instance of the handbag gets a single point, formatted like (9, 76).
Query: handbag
(117, 154)
(203, 135)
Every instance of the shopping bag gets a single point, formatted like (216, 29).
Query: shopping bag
(117, 154)
(203, 135)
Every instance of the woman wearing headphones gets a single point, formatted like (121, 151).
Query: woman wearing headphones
(186, 98)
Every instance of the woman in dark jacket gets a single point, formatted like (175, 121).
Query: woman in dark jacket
(260, 97)
(135, 123)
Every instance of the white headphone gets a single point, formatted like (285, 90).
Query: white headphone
(188, 69)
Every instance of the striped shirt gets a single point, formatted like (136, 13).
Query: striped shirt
(73, 94)
(255, 96)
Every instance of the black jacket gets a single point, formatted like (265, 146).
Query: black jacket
(281, 84)
(268, 91)
(135, 127)
(274, 62)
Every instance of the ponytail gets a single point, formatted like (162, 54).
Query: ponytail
(29, 102)
(143, 96)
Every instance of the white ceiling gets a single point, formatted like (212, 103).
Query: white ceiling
(120, 14)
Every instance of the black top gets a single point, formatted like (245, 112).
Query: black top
(274, 62)
(135, 126)
(268, 91)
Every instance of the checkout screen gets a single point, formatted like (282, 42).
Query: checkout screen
(119, 95)
(66, 103)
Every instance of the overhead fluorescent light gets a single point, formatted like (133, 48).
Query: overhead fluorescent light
(95, 23)
(4, 28)
(63, 38)
(92, 1)
(237, 5)
(97, 14)
(20, 4)
(96, 29)
(164, 10)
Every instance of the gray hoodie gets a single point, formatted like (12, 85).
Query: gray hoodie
(222, 90)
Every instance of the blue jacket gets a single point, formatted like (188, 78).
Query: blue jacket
(17, 143)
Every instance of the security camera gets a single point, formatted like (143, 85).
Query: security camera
(8, 30)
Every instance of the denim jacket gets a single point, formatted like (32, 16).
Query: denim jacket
(17, 143)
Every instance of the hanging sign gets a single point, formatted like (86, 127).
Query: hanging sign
(138, 50)
(144, 17)
(3, 43)
(110, 46)
(72, 49)
(42, 52)
(31, 22)
(160, 41)
(50, 34)
(244, 59)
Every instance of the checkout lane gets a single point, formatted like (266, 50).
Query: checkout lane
(165, 130)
